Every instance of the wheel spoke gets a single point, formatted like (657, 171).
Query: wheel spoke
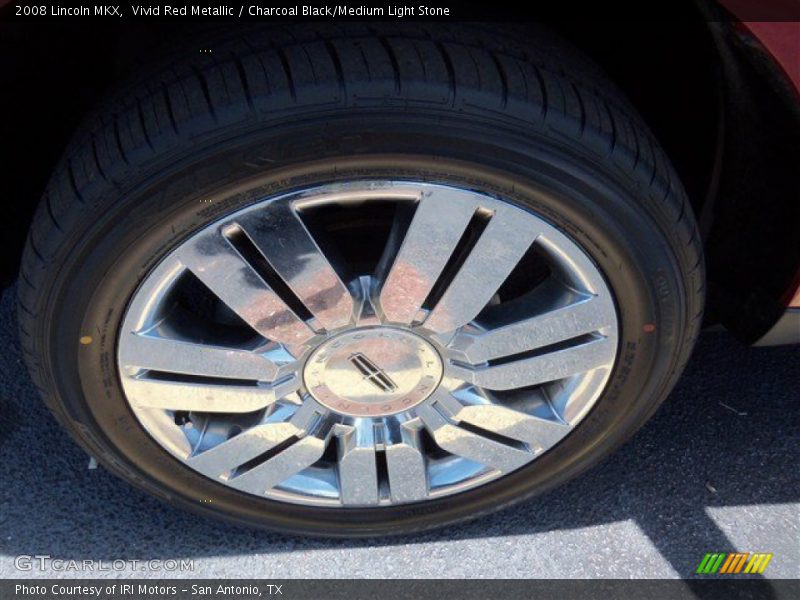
(501, 246)
(284, 424)
(436, 228)
(220, 460)
(598, 352)
(287, 447)
(233, 280)
(283, 239)
(172, 356)
(298, 456)
(536, 432)
(144, 392)
(470, 445)
(408, 478)
(358, 471)
(561, 324)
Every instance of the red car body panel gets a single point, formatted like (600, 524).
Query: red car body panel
(793, 298)
(782, 40)
(779, 34)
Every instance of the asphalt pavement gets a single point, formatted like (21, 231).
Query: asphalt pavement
(715, 470)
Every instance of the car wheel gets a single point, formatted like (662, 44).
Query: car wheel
(356, 282)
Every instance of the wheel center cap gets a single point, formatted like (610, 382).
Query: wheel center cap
(373, 371)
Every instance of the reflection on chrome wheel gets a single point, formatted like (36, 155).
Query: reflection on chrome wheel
(264, 358)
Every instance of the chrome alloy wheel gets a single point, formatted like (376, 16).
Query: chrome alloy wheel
(263, 355)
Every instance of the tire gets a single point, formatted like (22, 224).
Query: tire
(522, 118)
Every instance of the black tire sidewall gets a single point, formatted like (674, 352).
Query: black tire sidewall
(604, 209)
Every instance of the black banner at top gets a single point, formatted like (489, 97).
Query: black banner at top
(397, 10)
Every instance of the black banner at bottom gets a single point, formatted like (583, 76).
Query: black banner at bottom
(416, 589)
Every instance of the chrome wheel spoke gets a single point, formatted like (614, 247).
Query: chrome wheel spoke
(274, 471)
(176, 356)
(224, 458)
(558, 364)
(283, 239)
(220, 460)
(217, 398)
(498, 250)
(405, 462)
(581, 318)
(438, 224)
(358, 470)
(535, 432)
(471, 445)
(215, 262)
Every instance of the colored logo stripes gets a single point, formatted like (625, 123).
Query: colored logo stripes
(731, 563)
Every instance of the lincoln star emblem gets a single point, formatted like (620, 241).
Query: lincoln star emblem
(373, 373)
